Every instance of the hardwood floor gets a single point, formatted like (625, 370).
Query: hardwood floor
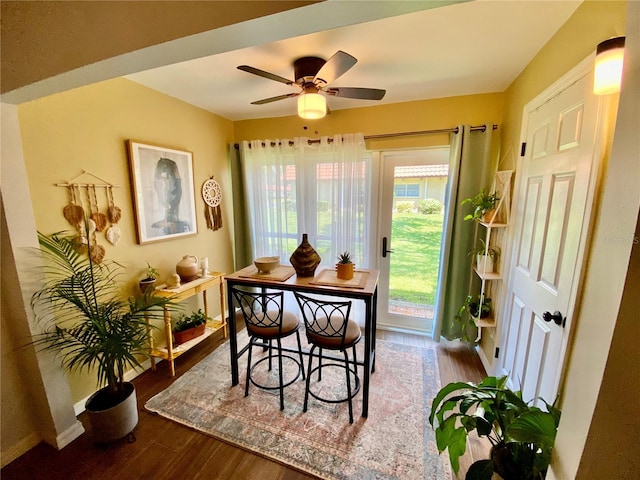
(167, 450)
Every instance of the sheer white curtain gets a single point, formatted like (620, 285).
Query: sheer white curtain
(322, 189)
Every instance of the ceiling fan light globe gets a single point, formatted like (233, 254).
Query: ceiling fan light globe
(312, 106)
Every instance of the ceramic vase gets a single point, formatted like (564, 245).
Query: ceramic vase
(305, 259)
(188, 268)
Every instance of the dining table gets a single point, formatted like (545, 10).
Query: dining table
(362, 287)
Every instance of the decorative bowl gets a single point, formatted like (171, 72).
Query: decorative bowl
(266, 264)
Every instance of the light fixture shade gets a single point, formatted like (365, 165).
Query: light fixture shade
(608, 68)
(312, 106)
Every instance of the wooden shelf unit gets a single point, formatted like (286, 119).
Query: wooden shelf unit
(170, 352)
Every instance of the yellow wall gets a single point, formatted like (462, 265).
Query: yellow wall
(575, 40)
(400, 117)
(86, 128)
(591, 23)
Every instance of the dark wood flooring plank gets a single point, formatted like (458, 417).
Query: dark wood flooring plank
(167, 450)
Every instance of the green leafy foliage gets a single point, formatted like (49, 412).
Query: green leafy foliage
(481, 203)
(521, 435)
(405, 207)
(151, 273)
(492, 251)
(430, 206)
(186, 322)
(85, 319)
(344, 258)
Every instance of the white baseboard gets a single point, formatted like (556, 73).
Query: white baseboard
(488, 365)
(69, 435)
(409, 331)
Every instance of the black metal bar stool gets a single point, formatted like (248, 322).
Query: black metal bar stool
(328, 327)
(266, 320)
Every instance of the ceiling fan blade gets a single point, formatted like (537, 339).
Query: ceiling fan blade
(337, 65)
(274, 99)
(262, 73)
(358, 93)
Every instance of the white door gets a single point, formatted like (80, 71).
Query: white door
(553, 198)
(408, 247)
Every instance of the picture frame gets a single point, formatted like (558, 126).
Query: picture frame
(163, 192)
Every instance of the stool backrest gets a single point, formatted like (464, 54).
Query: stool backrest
(324, 318)
(261, 310)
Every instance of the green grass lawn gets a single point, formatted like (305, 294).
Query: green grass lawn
(415, 241)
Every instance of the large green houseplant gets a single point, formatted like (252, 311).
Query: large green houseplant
(93, 327)
(521, 435)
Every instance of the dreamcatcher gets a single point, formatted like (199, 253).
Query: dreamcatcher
(212, 195)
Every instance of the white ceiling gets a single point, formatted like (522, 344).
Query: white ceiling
(465, 48)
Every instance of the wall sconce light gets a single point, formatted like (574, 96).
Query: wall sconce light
(608, 69)
(311, 106)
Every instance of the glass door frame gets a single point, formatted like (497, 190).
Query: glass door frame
(386, 163)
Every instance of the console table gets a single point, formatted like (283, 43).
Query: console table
(186, 290)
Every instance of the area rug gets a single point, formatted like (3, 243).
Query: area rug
(394, 442)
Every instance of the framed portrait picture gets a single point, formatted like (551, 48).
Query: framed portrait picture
(163, 192)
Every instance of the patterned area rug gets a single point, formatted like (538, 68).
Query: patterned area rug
(394, 442)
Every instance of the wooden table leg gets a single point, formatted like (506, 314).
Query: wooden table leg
(150, 337)
(167, 331)
(225, 332)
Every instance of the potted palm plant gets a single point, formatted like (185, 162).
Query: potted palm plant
(521, 435)
(92, 327)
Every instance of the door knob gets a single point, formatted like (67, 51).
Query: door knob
(556, 316)
(384, 247)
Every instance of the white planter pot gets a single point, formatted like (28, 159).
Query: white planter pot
(115, 422)
(484, 263)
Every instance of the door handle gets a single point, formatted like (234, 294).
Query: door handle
(556, 316)
(384, 247)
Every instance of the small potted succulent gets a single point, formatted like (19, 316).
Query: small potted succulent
(148, 283)
(484, 206)
(345, 266)
(189, 327)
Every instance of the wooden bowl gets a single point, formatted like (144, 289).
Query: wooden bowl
(266, 264)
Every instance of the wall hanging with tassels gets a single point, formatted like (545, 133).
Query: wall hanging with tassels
(77, 210)
(212, 195)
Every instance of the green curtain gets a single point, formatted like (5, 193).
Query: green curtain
(241, 238)
(471, 167)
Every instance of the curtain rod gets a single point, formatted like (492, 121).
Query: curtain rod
(398, 134)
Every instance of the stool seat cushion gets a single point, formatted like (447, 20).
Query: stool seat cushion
(290, 323)
(351, 337)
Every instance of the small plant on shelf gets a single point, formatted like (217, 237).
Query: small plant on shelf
(149, 281)
(521, 435)
(483, 203)
(189, 327)
(485, 257)
(186, 322)
(478, 307)
(345, 266)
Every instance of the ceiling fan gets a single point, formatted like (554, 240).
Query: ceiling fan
(312, 76)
